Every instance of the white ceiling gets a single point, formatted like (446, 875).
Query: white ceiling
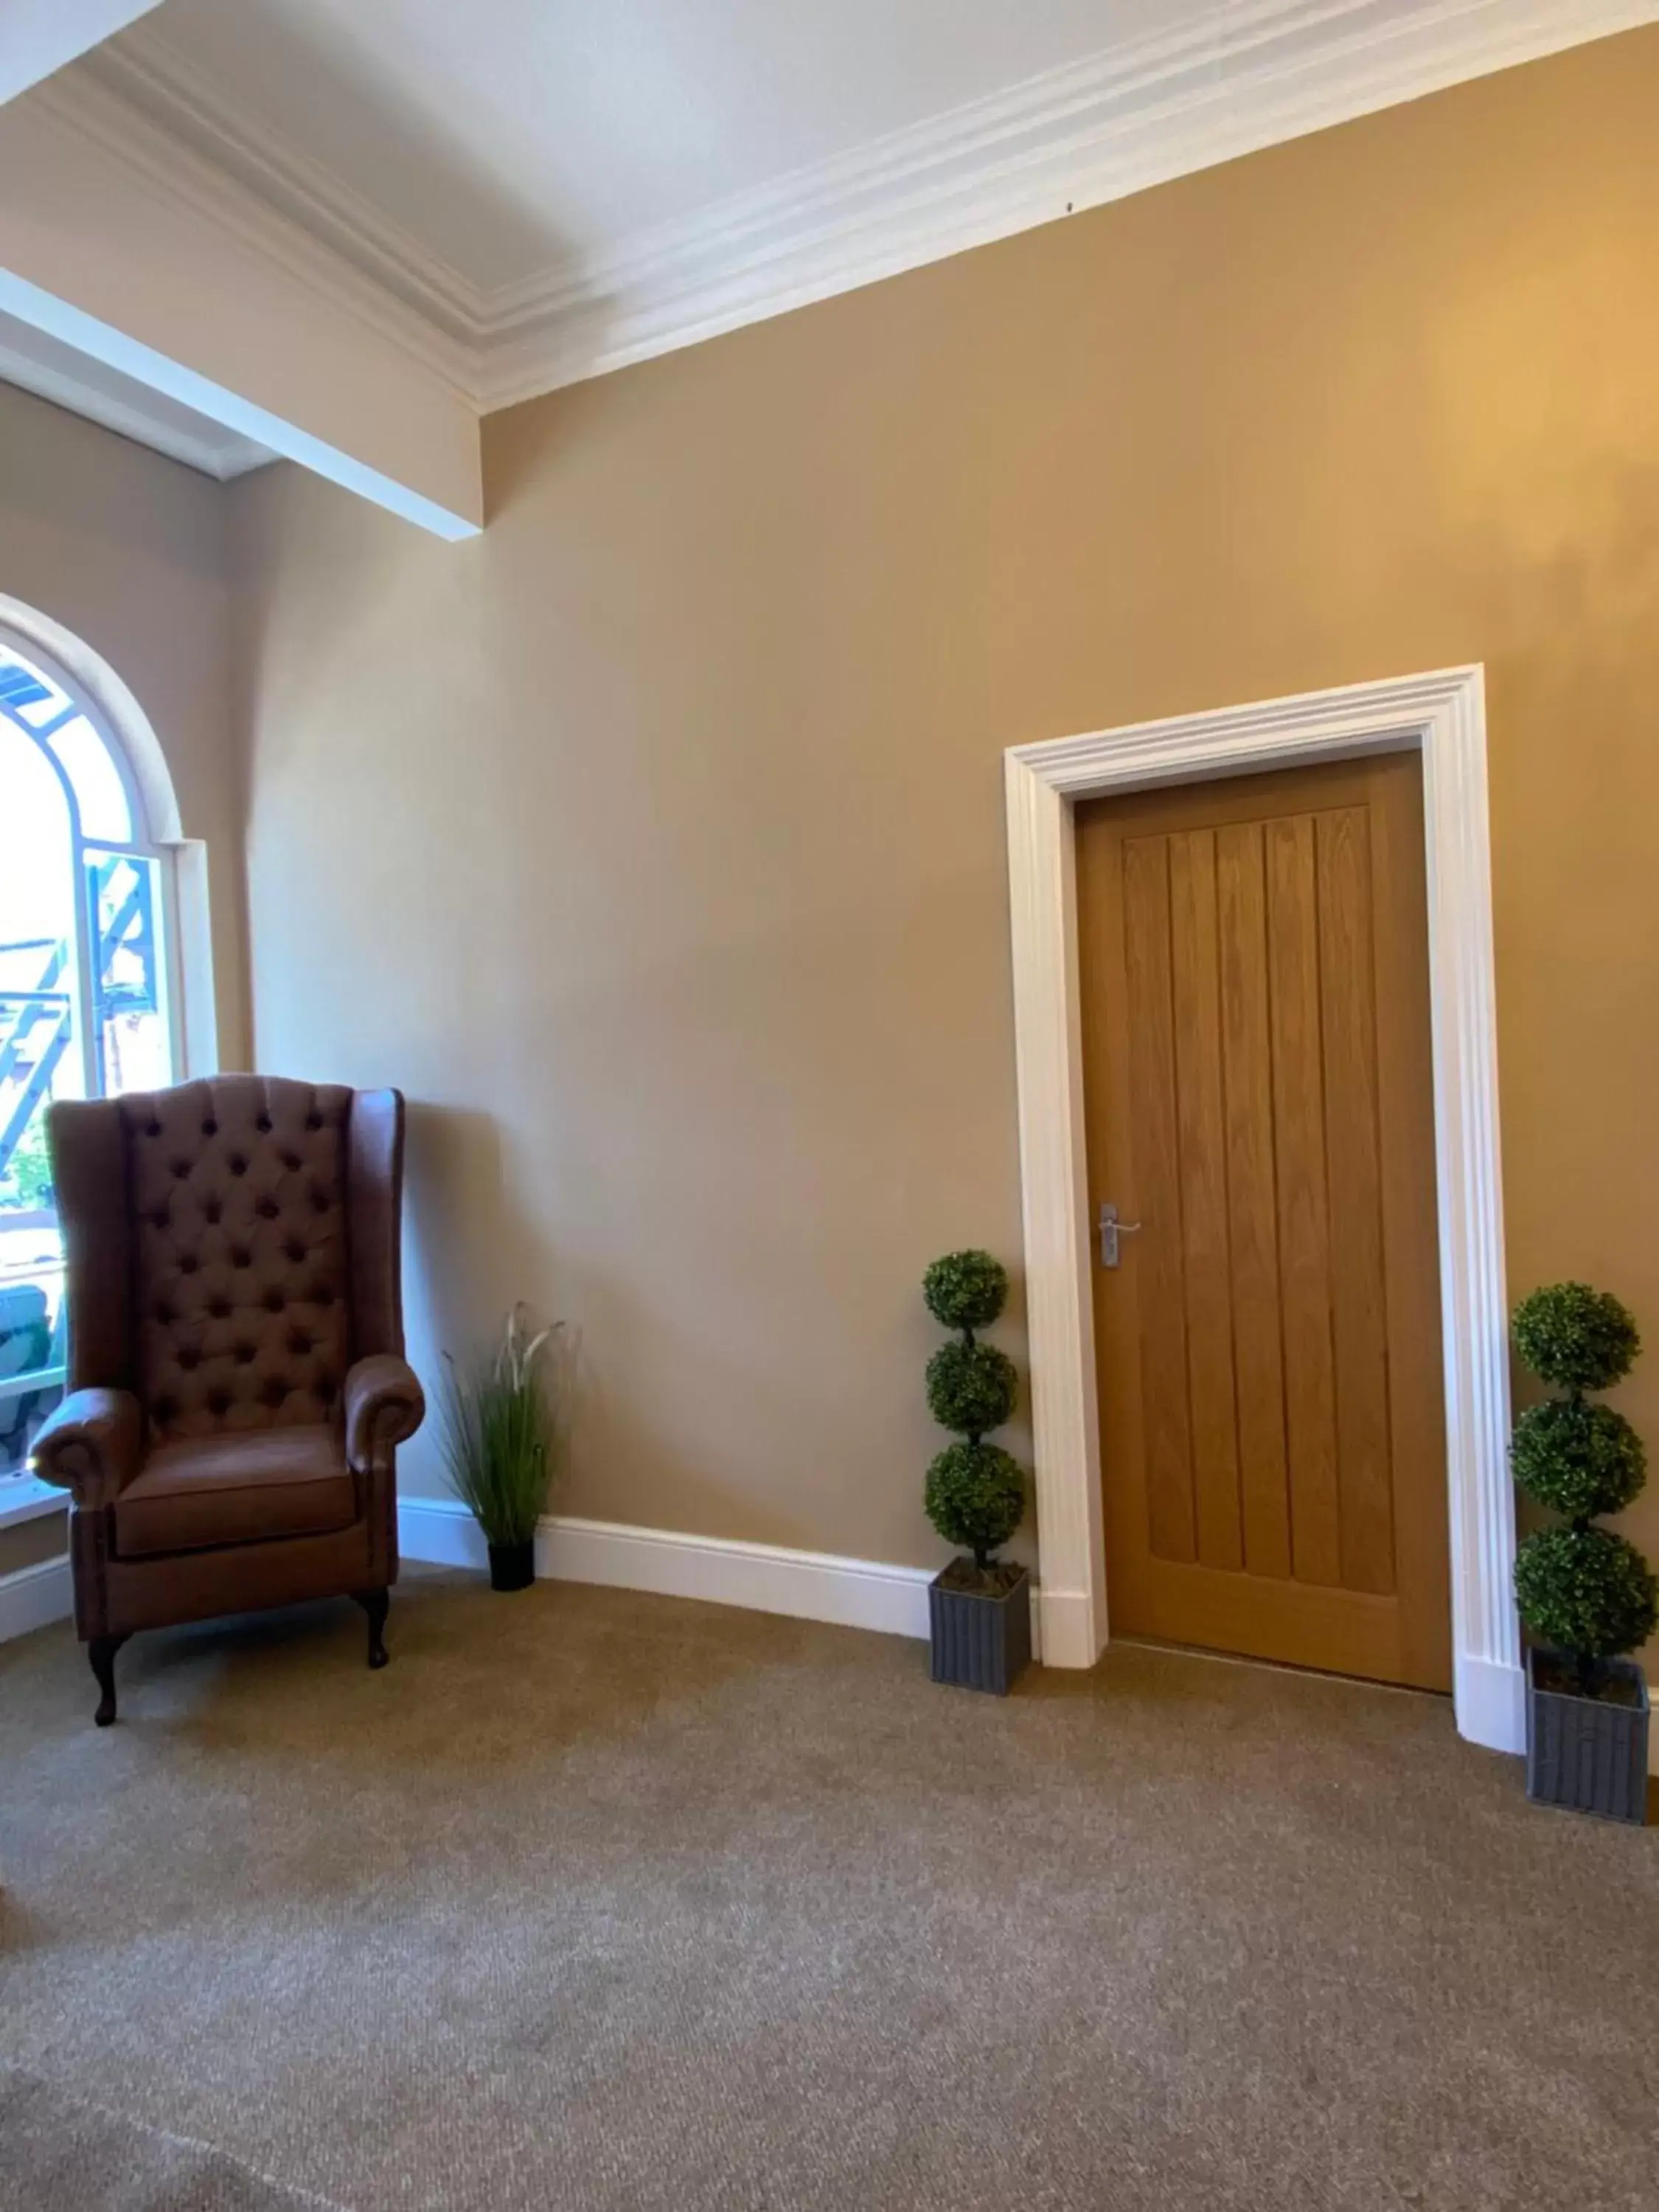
(506, 135)
(39, 36)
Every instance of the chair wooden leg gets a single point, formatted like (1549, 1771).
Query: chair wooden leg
(375, 1603)
(101, 1651)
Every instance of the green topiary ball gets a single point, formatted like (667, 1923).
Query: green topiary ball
(971, 1387)
(976, 1497)
(1577, 1459)
(1586, 1591)
(1575, 1338)
(966, 1289)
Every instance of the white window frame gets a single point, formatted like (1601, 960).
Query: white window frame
(185, 966)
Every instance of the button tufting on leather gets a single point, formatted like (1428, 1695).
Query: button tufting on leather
(180, 1169)
(219, 1308)
(293, 1250)
(266, 1209)
(245, 1355)
(263, 1124)
(188, 1263)
(274, 1300)
(213, 1210)
(313, 1121)
(209, 1129)
(218, 1402)
(240, 1256)
(239, 1165)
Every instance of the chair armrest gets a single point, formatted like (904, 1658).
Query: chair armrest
(384, 1405)
(92, 1445)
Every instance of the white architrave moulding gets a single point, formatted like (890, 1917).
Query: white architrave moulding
(1443, 715)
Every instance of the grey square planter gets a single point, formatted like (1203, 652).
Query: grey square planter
(1585, 1753)
(981, 1640)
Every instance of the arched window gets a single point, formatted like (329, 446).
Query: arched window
(87, 984)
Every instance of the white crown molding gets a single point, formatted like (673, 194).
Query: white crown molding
(82, 105)
(144, 69)
(1137, 114)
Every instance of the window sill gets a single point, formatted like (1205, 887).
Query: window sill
(24, 1498)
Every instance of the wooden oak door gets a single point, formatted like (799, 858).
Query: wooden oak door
(1256, 1055)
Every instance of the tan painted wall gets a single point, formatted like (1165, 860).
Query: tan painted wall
(127, 549)
(654, 842)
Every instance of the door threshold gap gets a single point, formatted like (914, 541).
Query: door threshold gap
(1272, 1666)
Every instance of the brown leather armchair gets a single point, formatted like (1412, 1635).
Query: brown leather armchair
(237, 1385)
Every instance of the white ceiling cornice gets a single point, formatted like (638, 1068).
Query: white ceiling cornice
(151, 75)
(1132, 116)
(81, 105)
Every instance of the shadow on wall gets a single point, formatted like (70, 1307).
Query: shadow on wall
(466, 1259)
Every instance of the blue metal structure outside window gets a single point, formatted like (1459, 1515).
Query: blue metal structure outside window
(84, 998)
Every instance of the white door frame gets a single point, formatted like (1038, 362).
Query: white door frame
(1443, 715)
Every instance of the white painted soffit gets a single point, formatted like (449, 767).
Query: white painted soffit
(1132, 115)
(36, 363)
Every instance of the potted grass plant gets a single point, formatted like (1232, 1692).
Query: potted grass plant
(500, 1445)
(979, 1606)
(1586, 1594)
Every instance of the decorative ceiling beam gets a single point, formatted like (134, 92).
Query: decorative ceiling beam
(115, 240)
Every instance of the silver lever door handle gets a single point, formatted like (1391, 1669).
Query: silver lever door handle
(1110, 1230)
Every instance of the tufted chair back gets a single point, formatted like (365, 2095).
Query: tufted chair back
(245, 1229)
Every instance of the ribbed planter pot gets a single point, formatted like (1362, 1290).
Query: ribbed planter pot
(981, 1637)
(1587, 1754)
(513, 1566)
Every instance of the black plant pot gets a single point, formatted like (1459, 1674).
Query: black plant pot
(981, 1626)
(1588, 1754)
(513, 1566)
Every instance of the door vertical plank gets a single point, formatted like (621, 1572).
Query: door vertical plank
(1304, 1208)
(1196, 988)
(1252, 1202)
(1157, 1251)
(1360, 1308)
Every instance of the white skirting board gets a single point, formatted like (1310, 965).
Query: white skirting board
(764, 1577)
(31, 1596)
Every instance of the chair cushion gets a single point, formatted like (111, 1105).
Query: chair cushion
(201, 1491)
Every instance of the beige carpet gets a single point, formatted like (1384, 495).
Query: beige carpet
(601, 1901)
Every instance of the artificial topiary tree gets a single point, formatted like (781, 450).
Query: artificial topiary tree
(975, 1494)
(1581, 1589)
